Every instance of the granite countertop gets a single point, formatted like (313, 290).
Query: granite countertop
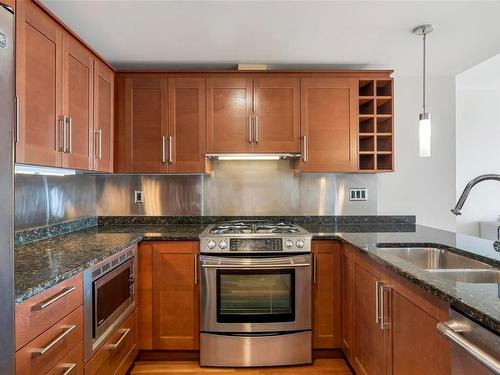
(41, 264)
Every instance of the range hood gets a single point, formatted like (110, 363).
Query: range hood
(252, 156)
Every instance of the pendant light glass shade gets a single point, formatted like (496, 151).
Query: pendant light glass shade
(424, 118)
(424, 134)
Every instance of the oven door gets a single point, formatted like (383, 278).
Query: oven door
(255, 294)
(113, 293)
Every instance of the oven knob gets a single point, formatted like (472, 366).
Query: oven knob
(289, 244)
(300, 244)
(222, 244)
(211, 244)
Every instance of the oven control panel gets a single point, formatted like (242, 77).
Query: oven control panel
(255, 245)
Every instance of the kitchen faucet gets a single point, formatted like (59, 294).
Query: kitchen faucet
(485, 177)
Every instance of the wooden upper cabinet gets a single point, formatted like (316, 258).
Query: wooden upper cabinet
(229, 110)
(146, 124)
(78, 77)
(326, 329)
(186, 125)
(103, 117)
(329, 124)
(276, 115)
(175, 296)
(39, 49)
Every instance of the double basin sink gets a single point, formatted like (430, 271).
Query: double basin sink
(446, 264)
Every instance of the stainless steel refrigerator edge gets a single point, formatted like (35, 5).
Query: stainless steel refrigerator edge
(7, 189)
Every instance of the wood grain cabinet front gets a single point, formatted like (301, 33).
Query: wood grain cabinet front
(175, 278)
(329, 125)
(326, 328)
(38, 313)
(71, 364)
(117, 354)
(47, 350)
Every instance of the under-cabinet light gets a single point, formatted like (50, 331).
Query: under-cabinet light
(252, 156)
(43, 171)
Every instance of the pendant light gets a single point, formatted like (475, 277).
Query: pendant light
(424, 118)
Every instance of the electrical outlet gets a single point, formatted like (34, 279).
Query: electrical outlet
(139, 196)
(358, 194)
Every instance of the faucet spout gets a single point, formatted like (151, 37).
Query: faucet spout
(457, 210)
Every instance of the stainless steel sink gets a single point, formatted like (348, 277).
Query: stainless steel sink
(491, 276)
(431, 258)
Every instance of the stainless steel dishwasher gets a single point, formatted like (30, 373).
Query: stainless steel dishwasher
(474, 349)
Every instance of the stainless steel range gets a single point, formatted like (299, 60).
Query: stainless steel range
(255, 294)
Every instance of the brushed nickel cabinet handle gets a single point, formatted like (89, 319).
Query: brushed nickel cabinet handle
(115, 346)
(304, 149)
(256, 129)
(41, 351)
(170, 149)
(69, 368)
(62, 134)
(99, 131)
(163, 152)
(18, 119)
(250, 131)
(377, 301)
(315, 267)
(448, 331)
(56, 297)
(195, 269)
(70, 134)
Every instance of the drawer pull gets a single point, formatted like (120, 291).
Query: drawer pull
(41, 351)
(125, 332)
(64, 292)
(69, 367)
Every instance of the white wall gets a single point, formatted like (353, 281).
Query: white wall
(424, 187)
(478, 142)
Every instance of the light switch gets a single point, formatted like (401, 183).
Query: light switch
(139, 196)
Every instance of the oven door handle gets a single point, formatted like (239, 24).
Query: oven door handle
(256, 266)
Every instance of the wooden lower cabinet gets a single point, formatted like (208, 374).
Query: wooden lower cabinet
(175, 313)
(71, 364)
(117, 354)
(47, 350)
(326, 329)
(394, 322)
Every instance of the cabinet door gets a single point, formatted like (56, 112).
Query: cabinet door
(346, 302)
(326, 295)
(229, 107)
(38, 86)
(328, 123)
(146, 124)
(369, 338)
(277, 115)
(78, 77)
(417, 346)
(186, 120)
(175, 296)
(103, 117)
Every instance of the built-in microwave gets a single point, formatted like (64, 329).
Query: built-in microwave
(109, 296)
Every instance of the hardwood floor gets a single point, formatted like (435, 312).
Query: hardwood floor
(319, 367)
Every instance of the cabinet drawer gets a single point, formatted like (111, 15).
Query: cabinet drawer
(38, 313)
(44, 352)
(71, 364)
(118, 352)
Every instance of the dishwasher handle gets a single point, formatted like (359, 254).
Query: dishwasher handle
(447, 330)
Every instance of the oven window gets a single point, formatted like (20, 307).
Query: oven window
(110, 295)
(255, 296)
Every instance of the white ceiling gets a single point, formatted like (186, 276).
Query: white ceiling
(355, 34)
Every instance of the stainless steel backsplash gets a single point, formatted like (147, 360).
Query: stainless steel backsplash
(247, 188)
(43, 200)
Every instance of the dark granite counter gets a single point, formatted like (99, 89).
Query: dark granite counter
(41, 264)
(480, 301)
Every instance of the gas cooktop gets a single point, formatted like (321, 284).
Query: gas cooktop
(255, 236)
